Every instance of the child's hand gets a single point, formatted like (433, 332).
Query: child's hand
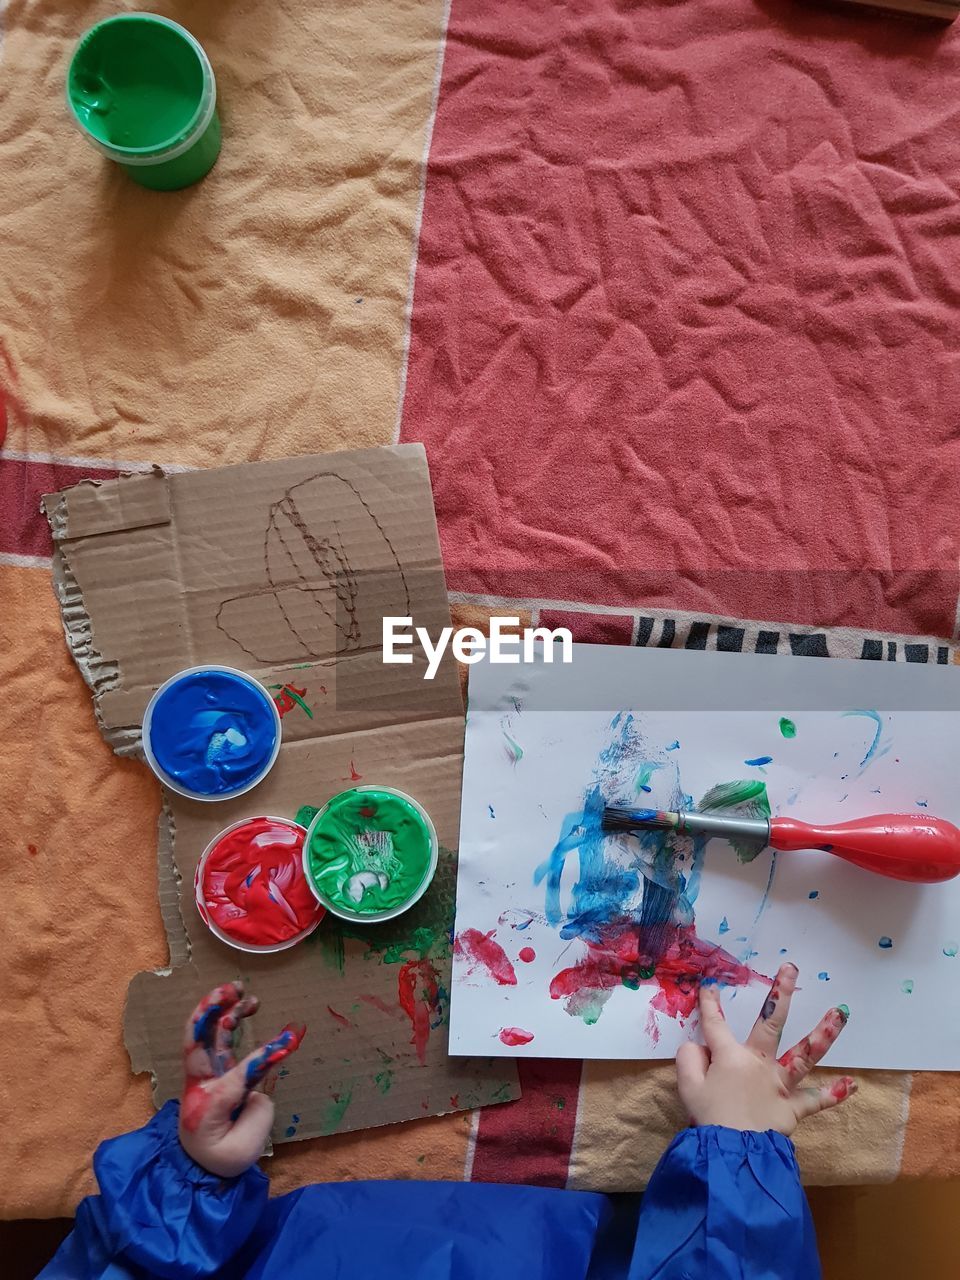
(223, 1125)
(745, 1086)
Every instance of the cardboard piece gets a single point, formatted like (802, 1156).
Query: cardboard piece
(285, 569)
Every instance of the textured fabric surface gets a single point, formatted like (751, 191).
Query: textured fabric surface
(684, 309)
(683, 300)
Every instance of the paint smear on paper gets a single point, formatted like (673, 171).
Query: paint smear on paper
(527, 955)
(878, 730)
(514, 1036)
(631, 908)
(787, 728)
(513, 749)
(724, 925)
(906, 986)
(758, 762)
(823, 975)
(951, 948)
(482, 951)
(885, 943)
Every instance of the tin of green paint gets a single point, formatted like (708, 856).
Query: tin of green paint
(370, 854)
(142, 90)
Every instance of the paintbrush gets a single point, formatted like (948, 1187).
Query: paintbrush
(904, 846)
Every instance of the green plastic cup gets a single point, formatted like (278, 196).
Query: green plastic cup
(142, 90)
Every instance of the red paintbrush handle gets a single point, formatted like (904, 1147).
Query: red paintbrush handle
(905, 846)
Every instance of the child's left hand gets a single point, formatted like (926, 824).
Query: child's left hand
(224, 1124)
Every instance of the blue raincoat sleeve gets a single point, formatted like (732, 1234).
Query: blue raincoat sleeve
(158, 1213)
(726, 1205)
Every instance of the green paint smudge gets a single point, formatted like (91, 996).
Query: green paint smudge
(383, 1080)
(335, 1112)
(787, 727)
(906, 986)
(951, 948)
(513, 749)
(421, 1159)
(644, 774)
(749, 798)
(845, 1010)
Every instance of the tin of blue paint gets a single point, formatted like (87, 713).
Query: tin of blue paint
(211, 733)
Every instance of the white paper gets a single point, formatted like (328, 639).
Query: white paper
(826, 916)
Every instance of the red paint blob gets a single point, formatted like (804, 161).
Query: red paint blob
(480, 950)
(252, 883)
(418, 990)
(678, 958)
(354, 776)
(32, 850)
(527, 954)
(515, 1035)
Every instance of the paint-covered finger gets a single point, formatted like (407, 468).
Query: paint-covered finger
(768, 1028)
(201, 1028)
(248, 1073)
(812, 1100)
(713, 1024)
(226, 1029)
(797, 1062)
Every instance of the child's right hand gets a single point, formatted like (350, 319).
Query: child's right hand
(224, 1123)
(746, 1086)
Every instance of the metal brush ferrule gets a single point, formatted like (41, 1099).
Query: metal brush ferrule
(725, 825)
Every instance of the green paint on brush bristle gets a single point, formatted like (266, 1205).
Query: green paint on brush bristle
(748, 799)
(787, 727)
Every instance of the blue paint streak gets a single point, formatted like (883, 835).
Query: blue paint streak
(759, 761)
(213, 732)
(923, 804)
(814, 893)
(258, 1066)
(872, 749)
(764, 901)
(783, 951)
(492, 814)
(823, 975)
(206, 1025)
(675, 745)
(648, 891)
(724, 926)
(885, 943)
